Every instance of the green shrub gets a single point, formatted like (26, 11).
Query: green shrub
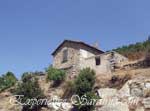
(90, 104)
(85, 81)
(10, 79)
(7, 80)
(134, 51)
(84, 86)
(30, 89)
(56, 75)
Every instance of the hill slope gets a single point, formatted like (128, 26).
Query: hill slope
(134, 51)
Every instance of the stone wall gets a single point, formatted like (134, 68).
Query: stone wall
(103, 68)
(120, 59)
(72, 66)
(72, 57)
(106, 62)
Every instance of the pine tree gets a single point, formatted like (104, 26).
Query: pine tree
(30, 89)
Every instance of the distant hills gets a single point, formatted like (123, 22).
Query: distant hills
(134, 51)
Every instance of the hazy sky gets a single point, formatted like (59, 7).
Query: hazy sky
(31, 29)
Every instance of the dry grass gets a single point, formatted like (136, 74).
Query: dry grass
(119, 78)
(6, 105)
(102, 80)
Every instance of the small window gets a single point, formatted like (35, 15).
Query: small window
(65, 56)
(97, 60)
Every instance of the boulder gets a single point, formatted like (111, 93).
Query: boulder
(134, 95)
(136, 89)
(124, 92)
(146, 103)
(119, 106)
(140, 109)
(147, 89)
(58, 104)
(107, 92)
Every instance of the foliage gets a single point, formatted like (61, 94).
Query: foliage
(89, 104)
(85, 81)
(134, 51)
(84, 87)
(30, 89)
(7, 80)
(56, 75)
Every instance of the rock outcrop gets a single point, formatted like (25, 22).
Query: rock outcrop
(133, 96)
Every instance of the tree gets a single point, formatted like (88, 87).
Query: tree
(10, 79)
(56, 75)
(7, 80)
(84, 87)
(85, 81)
(30, 89)
(134, 51)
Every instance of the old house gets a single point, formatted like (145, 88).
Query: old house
(73, 56)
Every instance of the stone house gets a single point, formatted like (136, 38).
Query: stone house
(73, 56)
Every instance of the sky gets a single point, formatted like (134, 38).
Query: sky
(30, 30)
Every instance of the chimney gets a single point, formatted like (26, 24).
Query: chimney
(96, 45)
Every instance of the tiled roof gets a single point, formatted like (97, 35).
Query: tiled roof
(76, 42)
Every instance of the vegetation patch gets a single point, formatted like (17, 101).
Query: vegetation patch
(56, 75)
(83, 87)
(29, 88)
(134, 51)
(7, 80)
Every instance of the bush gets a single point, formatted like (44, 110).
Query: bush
(30, 89)
(89, 105)
(84, 86)
(10, 79)
(134, 51)
(56, 75)
(85, 81)
(7, 80)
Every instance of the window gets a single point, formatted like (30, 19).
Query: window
(65, 56)
(97, 60)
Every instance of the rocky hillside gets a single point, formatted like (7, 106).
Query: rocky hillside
(133, 95)
(128, 91)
